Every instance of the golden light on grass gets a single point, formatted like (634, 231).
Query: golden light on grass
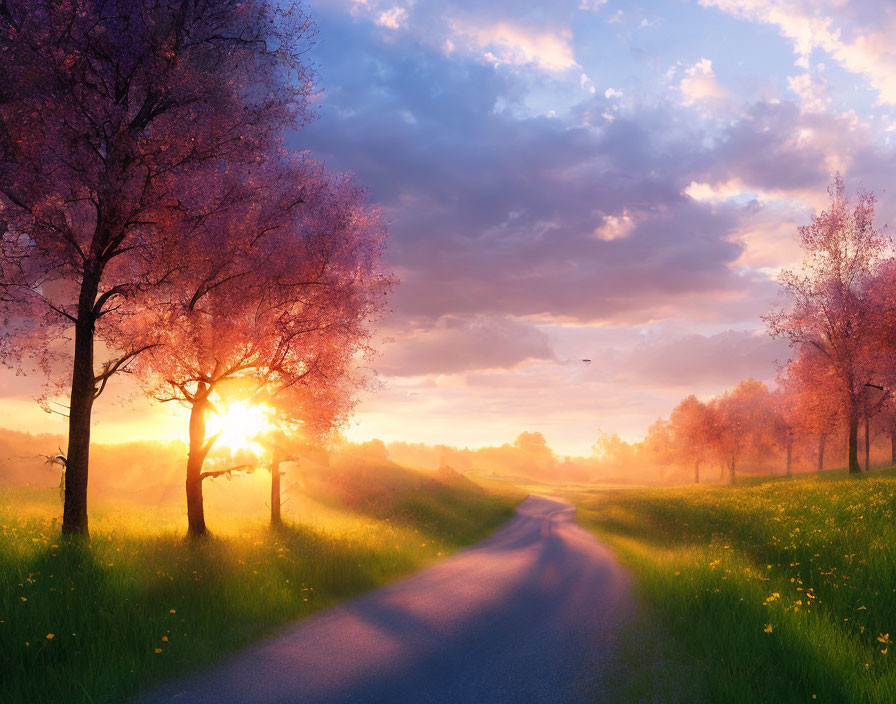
(240, 424)
(187, 600)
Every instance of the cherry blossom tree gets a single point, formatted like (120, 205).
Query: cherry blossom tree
(691, 429)
(659, 444)
(811, 384)
(308, 414)
(830, 312)
(278, 296)
(885, 424)
(784, 424)
(880, 399)
(742, 422)
(116, 117)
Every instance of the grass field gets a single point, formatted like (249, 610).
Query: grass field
(784, 591)
(142, 604)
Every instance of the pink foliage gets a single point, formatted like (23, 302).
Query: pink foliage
(279, 291)
(117, 123)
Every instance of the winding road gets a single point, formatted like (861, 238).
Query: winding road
(527, 615)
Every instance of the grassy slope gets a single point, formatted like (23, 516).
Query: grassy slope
(783, 591)
(142, 604)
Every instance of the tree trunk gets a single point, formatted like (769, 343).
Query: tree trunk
(853, 445)
(195, 460)
(821, 442)
(893, 445)
(275, 492)
(867, 446)
(696, 472)
(789, 457)
(74, 512)
(732, 472)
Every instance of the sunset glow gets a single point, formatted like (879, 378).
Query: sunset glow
(240, 425)
(584, 310)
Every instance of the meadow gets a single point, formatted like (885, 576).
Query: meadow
(139, 604)
(779, 591)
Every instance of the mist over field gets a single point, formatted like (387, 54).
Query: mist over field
(151, 473)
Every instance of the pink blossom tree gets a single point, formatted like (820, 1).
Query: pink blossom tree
(309, 414)
(830, 317)
(279, 297)
(692, 429)
(742, 423)
(116, 118)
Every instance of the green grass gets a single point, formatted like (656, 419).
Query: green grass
(142, 604)
(783, 591)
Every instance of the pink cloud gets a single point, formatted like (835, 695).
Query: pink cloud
(454, 345)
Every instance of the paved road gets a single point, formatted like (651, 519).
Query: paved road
(527, 615)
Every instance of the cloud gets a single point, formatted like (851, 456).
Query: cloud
(769, 236)
(700, 361)
(861, 44)
(453, 345)
(615, 227)
(510, 43)
(714, 192)
(812, 89)
(592, 5)
(632, 379)
(701, 87)
(586, 83)
(495, 213)
(393, 18)
(764, 150)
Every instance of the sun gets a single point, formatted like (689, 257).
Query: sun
(240, 424)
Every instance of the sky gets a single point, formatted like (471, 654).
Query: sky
(588, 180)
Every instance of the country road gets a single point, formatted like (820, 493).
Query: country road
(527, 615)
